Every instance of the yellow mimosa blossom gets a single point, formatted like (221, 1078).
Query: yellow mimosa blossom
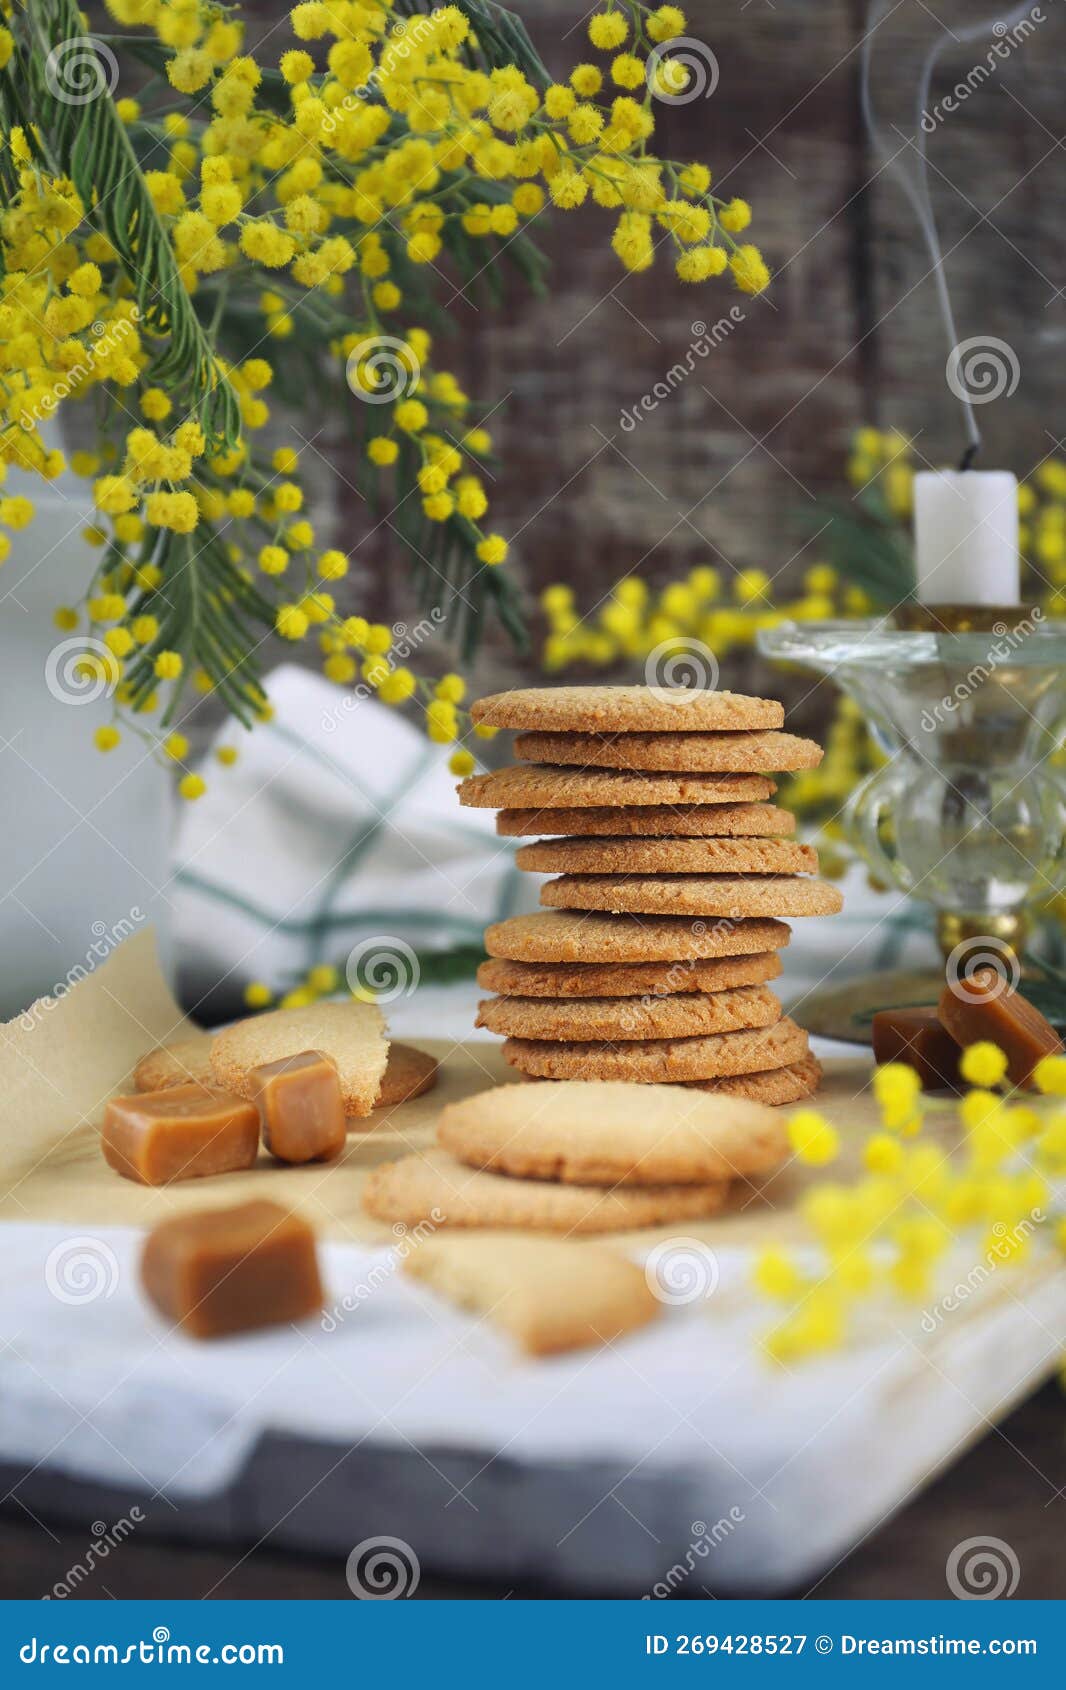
(277, 208)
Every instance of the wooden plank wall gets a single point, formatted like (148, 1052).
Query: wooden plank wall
(727, 469)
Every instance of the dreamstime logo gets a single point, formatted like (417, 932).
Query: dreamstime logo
(682, 1270)
(407, 1238)
(685, 54)
(105, 1538)
(678, 670)
(705, 338)
(405, 642)
(36, 404)
(108, 337)
(1007, 1242)
(678, 976)
(405, 37)
(382, 1569)
(704, 1539)
(982, 369)
(80, 671)
(1007, 641)
(968, 968)
(105, 940)
(80, 69)
(1007, 38)
(382, 369)
(383, 966)
(81, 1270)
(144, 1652)
(982, 1569)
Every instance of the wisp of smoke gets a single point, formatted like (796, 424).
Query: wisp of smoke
(915, 184)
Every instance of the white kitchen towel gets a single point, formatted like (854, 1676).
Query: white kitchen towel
(337, 830)
(94, 1385)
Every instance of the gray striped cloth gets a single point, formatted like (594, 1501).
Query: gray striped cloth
(337, 832)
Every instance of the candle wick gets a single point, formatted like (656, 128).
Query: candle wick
(967, 460)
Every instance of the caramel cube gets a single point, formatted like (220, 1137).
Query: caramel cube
(984, 1007)
(301, 1108)
(232, 1270)
(184, 1132)
(918, 1037)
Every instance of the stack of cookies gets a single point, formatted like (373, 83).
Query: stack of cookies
(653, 959)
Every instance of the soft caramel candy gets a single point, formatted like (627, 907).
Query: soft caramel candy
(301, 1108)
(984, 1007)
(918, 1037)
(184, 1132)
(231, 1270)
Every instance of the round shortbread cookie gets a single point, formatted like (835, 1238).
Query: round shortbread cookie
(596, 709)
(569, 936)
(686, 821)
(183, 1063)
(777, 1086)
(730, 895)
(748, 1052)
(408, 1073)
(352, 1035)
(682, 1015)
(608, 1133)
(555, 788)
(747, 753)
(625, 979)
(438, 1189)
(667, 856)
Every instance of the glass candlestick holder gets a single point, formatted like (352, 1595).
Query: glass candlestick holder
(967, 815)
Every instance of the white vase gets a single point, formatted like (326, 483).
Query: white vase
(84, 836)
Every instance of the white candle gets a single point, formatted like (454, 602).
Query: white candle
(966, 537)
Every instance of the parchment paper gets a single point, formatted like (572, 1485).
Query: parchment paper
(63, 1059)
(61, 1063)
(65, 1056)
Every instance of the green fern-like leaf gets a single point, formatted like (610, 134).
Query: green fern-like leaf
(88, 142)
(866, 548)
(501, 36)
